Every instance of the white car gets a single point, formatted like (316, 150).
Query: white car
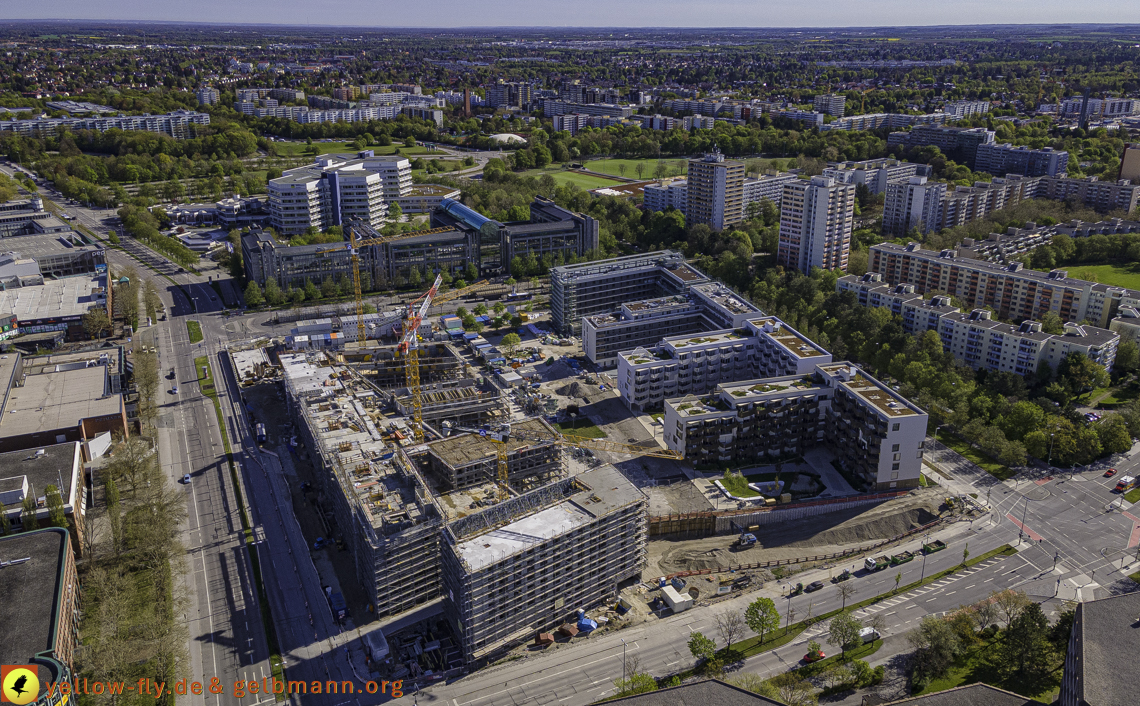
(186, 478)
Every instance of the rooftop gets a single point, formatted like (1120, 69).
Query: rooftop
(41, 466)
(70, 297)
(765, 388)
(31, 593)
(601, 491)
(711, 338)
(975, 695)
(58, 400)
(431, 190)
(786, 336)
(727, 299)
(597, 267)
(870, 390)
(462, 449)
(1109, 634)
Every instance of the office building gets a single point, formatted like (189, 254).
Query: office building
(176, 124)
(914, 204)
(335, 189)
(708, 307)
(715, 192)
(957, 143)
(978, 340)
(816, 218)
(52, 305)
(768, 186)
(876, 434)
(875, 174)
(602, 286)
(697, 363)
(40, 610)
(830, 104)
(675, 195)
(1014, 293)
(28, 473)
(964, 109)
(207, 95)
(1000, 160)
(527, 565)
(381, 505)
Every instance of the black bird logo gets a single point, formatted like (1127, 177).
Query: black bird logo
(18, 685)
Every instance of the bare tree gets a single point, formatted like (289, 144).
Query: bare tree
(151, 300)
(878, 622)
(846, 590)
(984, 614)
(731, 626)
(1009, 604)
(133, 462)
(794, 690)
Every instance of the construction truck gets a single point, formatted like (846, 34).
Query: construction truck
(746, 540)
(902, 558)
(935, 546)
(877, 563)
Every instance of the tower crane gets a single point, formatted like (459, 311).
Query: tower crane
(503, 433)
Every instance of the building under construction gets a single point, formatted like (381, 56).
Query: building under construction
(526, 565)
(462, 402)
(380, 504)
(466, 460)
(385, 368)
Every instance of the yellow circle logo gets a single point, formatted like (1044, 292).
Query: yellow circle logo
(21, 686)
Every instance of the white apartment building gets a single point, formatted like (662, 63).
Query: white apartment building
(875, 174)
(876, 434)
(697, 122)
(715, 191)
(674, 194)
(831, 104)
(916, 203)
(336, 188)
(964, 109)
(207, 95)
(697, 363)
(816, 219)
(1100, 108)
(981, 342)
(768, 186)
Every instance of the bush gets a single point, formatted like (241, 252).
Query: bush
(878, 675)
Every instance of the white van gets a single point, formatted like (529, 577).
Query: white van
(869, 635)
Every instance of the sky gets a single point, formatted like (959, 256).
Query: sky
(589, 13)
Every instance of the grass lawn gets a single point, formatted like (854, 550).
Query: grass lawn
(1133, 495)
(582, 181)
(738, 486)
(298, 149)
(583, 427)
(206, 381)
(1120, 396)
(195, 330)
(1116, 275)
(922, 480)
(992, 467)
(974, 666)
(676, 167)
(1135, 577)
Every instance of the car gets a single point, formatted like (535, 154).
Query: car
(813, 586)
(1110, 473)
(814, 656)
(186, 478)
(321, 541)
(174, 390)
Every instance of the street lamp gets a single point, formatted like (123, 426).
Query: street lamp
(923, 574)
(1024, 510)
(623, 663)
(936, 430)
(1050, 461)
(1055, 558)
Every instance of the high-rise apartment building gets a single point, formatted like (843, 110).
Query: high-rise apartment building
(509, 95)
(716, 192)
(1000, 160)
(768, 186)
(958, 143)
(875, 174)
(831, 104)
(207, 95)
(816, 218)
(675, 194)
(916, 203)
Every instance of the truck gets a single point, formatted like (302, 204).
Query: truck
(902, 558)
(1125, 484)
(746, 540)
(935, 546)
(877, 563)
(260, 433)
(339, 609)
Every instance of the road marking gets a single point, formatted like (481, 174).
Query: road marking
(970, 586)
(1134, 538)
(951, 593)
(1032, 535)
(909, 607)
(891, 613)
(989, 579)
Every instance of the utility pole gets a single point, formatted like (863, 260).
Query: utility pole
(623, 663)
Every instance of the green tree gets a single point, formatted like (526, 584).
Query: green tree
(273, 293)
(5, 523)
(1081, 374)
(936, 646)
(516, 321)
(253, 295)
(480, 309)
(57, 515)
(1025, 648)
(96, 322)
(510, 344)
(762, 616)
(328, 288)
(311, 292)
(28, 520)
(1113, 434)
(844, 631)
(701, 647)
(395, 213)
(793, 689)
(1127, 357)
(1051, 322)
(756, 684)
(471, 272)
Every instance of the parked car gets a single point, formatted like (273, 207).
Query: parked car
(814, 586)
(1110, 473)
(186, 478)
(321, 541)
(814, 656)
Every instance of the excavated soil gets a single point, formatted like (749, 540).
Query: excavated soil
(810, 536)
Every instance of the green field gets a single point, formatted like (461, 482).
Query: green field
(581, 427)
(675, 167)
(1115, 275)
(297, 149)
(582, 181)
(976, 665)
(194, 329)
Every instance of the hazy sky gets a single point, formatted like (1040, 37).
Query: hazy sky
(588, 13)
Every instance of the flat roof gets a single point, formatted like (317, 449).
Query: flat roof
(31, 593)
(792, 340)
(430, 190)
(698, 340)
(870, 390)
(304, 376)
(58, 400)
(724, 297)
(763, 388)
(69, 297)
(43, 466)
(462, 449)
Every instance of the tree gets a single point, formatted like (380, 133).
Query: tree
(114, 513)
(1081, 374)
(965, 553)
(936, 646)
(731, 626)
(328, 288)
(480, 310)
(311, 292)
(636, 681)
(253, 295)
(28, 520)
(846, 590)
(1009, 604)
(794, 690)
(1025, 649)
(762, 616)
(844, 631)
(273, 293)
(898, 578)
(1061, 631)
(756, 684)
(1112, 431)
(510, 343)
(1127, 357)
(151, 300)
(96, 322)
(516, 321)
(57, 515)
(395, 212)
(701, 647)
(5, 523)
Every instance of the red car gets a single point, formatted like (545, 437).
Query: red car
(1110, 473)
(814, 656)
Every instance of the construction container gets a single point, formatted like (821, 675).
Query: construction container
(677, 601)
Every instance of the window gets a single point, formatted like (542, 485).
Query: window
(895, 447)
(894, 476)
(898, 457)
(894, 427)
(894, 466)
